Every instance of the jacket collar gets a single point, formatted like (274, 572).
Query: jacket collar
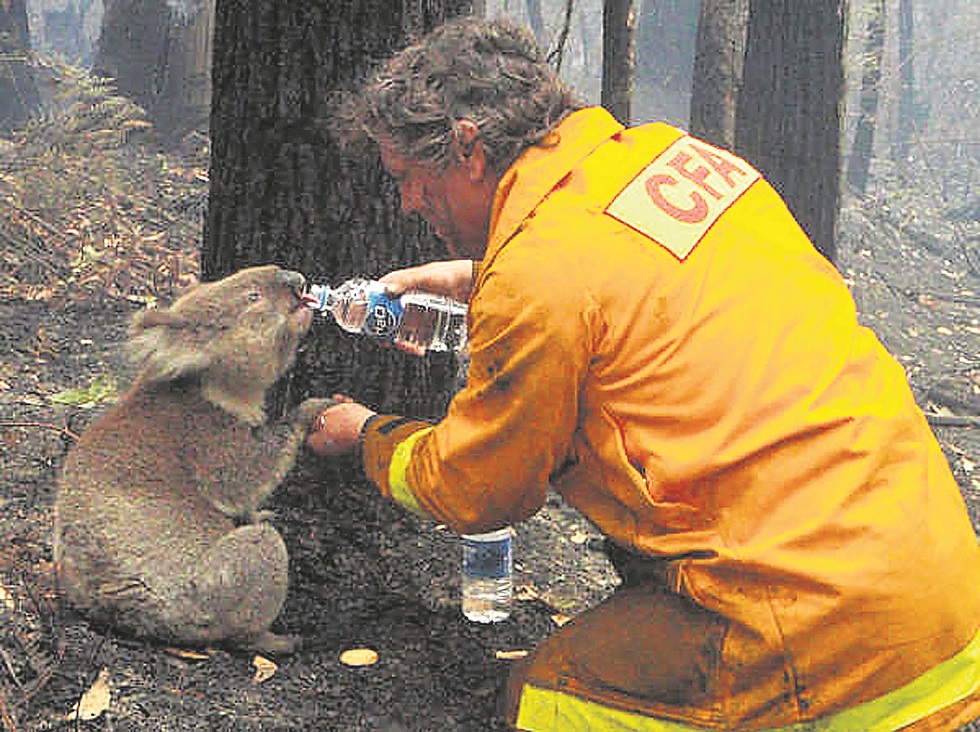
(539, 169)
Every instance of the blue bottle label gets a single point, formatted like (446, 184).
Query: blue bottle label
(384, 315)
(487, 559)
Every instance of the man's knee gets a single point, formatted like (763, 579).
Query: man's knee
(643, 649)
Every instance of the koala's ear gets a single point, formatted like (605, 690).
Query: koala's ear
(163, 349)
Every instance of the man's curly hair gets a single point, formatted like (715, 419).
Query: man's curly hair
(489, 72)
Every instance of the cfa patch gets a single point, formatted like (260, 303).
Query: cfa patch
(677, 198)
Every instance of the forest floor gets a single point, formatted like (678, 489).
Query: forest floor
(364, 574)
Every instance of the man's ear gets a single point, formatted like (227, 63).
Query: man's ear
(469, 150)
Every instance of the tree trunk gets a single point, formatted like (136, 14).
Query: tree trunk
(618, 56)
(19, 98)
(282, 193)
(862, 149)
(159, 53)
(133, 47)
(907, 111)
(666, 39)
(190, 80)
(789, 108)
(718, 67)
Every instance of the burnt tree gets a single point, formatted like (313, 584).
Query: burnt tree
(282, 192)
(159, 54)
(618, 56)
(720, 51)
(789, 107)
(19, 98)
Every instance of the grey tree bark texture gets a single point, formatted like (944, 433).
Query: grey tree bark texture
(789, 108)
(19, 97)
(160, 58)
(718, 67)
(618, 57)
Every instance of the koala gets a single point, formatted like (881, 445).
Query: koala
(158, 530)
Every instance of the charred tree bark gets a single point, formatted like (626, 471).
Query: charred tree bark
(282, 192)
(872, 60)
(133, 48)
(718, 67)
(789, 108)
(159, 54)
(618, 56)
(19, 98)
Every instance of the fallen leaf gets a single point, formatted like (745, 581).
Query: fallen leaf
(264, 669)
(560, 619)
(188, 655)
(526, 592)
(510, 655)
(359, 657)
(579, 538)
(7, 599)
(94, 701)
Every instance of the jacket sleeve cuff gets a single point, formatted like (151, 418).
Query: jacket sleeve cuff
(385, 446)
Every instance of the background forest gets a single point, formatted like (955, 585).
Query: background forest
(145, 144)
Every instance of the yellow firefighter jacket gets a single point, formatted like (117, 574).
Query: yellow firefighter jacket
(654, 335)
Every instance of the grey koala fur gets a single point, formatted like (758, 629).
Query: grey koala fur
(157, 527)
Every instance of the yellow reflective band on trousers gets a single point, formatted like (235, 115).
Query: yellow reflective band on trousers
(953, 680)
(398, 469)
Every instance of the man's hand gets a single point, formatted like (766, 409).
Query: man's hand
(336, 429)
(452, 278)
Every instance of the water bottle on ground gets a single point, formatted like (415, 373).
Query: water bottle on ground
(419, 321)
(485, 581)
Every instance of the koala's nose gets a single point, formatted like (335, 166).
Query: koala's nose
(293, 280)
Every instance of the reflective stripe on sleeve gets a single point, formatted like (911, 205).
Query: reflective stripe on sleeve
(543, 710)
(398, 472)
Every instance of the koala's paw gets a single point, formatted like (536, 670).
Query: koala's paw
(272, 644)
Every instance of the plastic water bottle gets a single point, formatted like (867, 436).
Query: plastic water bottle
(419, 320)
(486, 580)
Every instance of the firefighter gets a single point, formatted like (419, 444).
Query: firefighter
(653, 336)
